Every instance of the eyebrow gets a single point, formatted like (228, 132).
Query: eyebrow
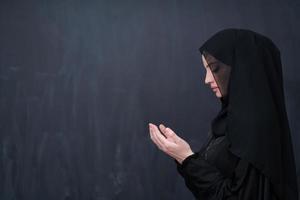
(210, 64)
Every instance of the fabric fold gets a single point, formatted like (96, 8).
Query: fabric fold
(205, 181)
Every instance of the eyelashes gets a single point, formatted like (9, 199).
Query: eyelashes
(214, 68)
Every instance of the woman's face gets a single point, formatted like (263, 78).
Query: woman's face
(209, 79)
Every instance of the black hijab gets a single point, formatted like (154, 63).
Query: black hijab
(253, 115)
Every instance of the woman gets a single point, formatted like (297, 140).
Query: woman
(248, 154)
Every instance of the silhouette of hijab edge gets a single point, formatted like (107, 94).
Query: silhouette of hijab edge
(253, 115)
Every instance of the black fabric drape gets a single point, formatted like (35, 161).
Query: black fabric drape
(252, 121)
(214, 173)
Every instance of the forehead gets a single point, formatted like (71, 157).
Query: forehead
(208, 59)
(204, 61)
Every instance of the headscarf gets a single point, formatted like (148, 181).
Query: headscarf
(253, 115)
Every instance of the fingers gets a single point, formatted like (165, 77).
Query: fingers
(154, 137)
(162, 128)
(166, 130)
(160, 139)
(171, 134)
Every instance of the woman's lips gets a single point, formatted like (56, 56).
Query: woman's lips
(215, 89)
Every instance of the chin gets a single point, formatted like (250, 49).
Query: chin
(218, 94)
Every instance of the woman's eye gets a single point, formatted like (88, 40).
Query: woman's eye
(215, 68)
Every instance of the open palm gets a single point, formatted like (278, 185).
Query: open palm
(169, 142)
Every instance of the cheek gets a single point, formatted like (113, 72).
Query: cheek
(214, 81)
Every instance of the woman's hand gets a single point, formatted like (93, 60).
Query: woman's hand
(169, 142)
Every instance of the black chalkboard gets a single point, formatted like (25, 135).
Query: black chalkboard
(81, 80)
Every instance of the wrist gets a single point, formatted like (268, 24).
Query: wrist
(189, 154)
(184, 157)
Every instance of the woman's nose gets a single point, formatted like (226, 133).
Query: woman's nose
(208, 78)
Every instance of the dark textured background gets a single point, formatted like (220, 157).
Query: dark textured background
(80, 80)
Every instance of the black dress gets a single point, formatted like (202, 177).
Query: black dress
(215, 173)
(247, 68)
